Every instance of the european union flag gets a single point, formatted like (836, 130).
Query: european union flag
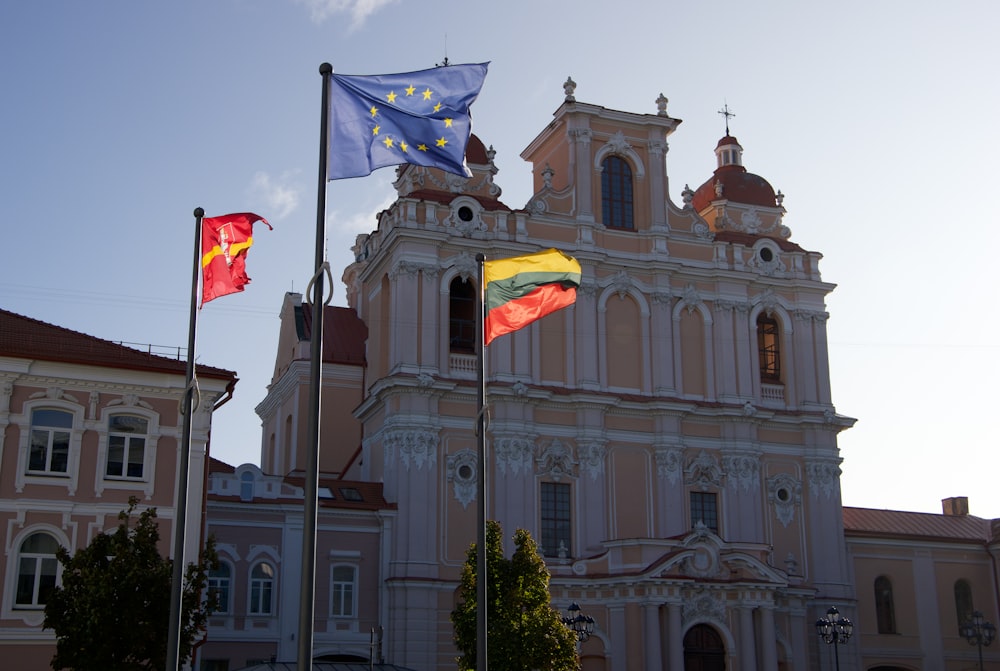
(421, 118)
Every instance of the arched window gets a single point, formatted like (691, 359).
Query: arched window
(704, 649)
(462, 316)
(963, 602)
(50, 432)
(885, 610)
(769, 348)
(616, 193)
(219, 581)
(126, 446)
(37, 569)
(342, 590)
(261, 589)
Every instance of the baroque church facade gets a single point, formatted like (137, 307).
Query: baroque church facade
(670, 440)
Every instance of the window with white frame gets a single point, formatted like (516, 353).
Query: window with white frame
(343, 589)
(37, 570)
(219, 582)
(261, 589)
(126, 446)
(50, 439)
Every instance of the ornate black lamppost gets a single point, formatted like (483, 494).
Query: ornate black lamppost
(978, 632)
(834, 629)
(582, 625)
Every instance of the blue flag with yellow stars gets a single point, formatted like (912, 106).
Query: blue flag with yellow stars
(421, 118)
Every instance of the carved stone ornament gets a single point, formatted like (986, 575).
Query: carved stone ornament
(461, 473)
(592, 456)
(669, 462)
(513, 453)
(691, 298)
(742, 471)
(703, 471)
(569, 88)
(823, 477)
(556, 460)
(411, 446)
(621, 284)
(703, 605)
(465, 264)
(131, 401)
(54, 394)
(784, 492)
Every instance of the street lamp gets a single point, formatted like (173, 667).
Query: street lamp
(978, 632)
(582, 625)
(834, 629)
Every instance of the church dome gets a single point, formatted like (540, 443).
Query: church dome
(736, 184)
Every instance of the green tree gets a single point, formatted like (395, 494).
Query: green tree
(112, 610)
(525, 632)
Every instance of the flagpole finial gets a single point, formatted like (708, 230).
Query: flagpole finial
(325, 68)
(199, 212)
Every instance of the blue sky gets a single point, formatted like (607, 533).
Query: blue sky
(874, 118)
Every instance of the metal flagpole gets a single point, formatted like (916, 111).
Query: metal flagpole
(183, 467)
(481, 592)
(307, 592)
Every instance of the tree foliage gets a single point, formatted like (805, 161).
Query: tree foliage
(112, 610)
(525, 632)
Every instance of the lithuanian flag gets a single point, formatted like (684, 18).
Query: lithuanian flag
(522, 289)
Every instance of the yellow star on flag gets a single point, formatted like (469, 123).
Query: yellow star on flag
(404, 146)
(376, 129)
(437, 108)
(441, 142)
(421, 147)
(427, 94)
(391, 97)
(447, 123)
(374, 110)
(387, 142)
(410, 89)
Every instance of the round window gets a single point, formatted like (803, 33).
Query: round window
(465, 213)
(766, 255)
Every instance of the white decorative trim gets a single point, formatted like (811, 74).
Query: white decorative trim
(461, 472)
(784, 504)
(823, 477)
(669, 462)
(514, 452)
(703, 471)
(742, 470)
(556, 460)
(592, 456)
(416, 446)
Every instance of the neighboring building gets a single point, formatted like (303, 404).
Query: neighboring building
(84, 425)
(918, 578)
(256, 520)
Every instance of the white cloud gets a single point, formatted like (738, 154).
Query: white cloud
(281, 194)
(359, 10)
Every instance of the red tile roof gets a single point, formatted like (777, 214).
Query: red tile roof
(925, 526)
(26, 338)
(344, 334)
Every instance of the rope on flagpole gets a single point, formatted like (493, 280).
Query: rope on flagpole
(192, 386)
(324, 268)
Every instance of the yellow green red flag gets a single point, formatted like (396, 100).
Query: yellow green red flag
(523, 289)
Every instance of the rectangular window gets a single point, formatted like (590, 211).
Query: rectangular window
(704, 509)
(49, 450)
(556, 519)
(342, 591)
(126, 446)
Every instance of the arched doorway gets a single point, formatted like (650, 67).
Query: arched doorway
(703, 649)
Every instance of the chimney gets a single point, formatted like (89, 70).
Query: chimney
(955, 506)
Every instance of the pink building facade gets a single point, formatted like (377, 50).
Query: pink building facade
(84, 425)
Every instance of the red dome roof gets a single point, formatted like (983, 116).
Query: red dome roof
(475, 151)
(738, 185)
